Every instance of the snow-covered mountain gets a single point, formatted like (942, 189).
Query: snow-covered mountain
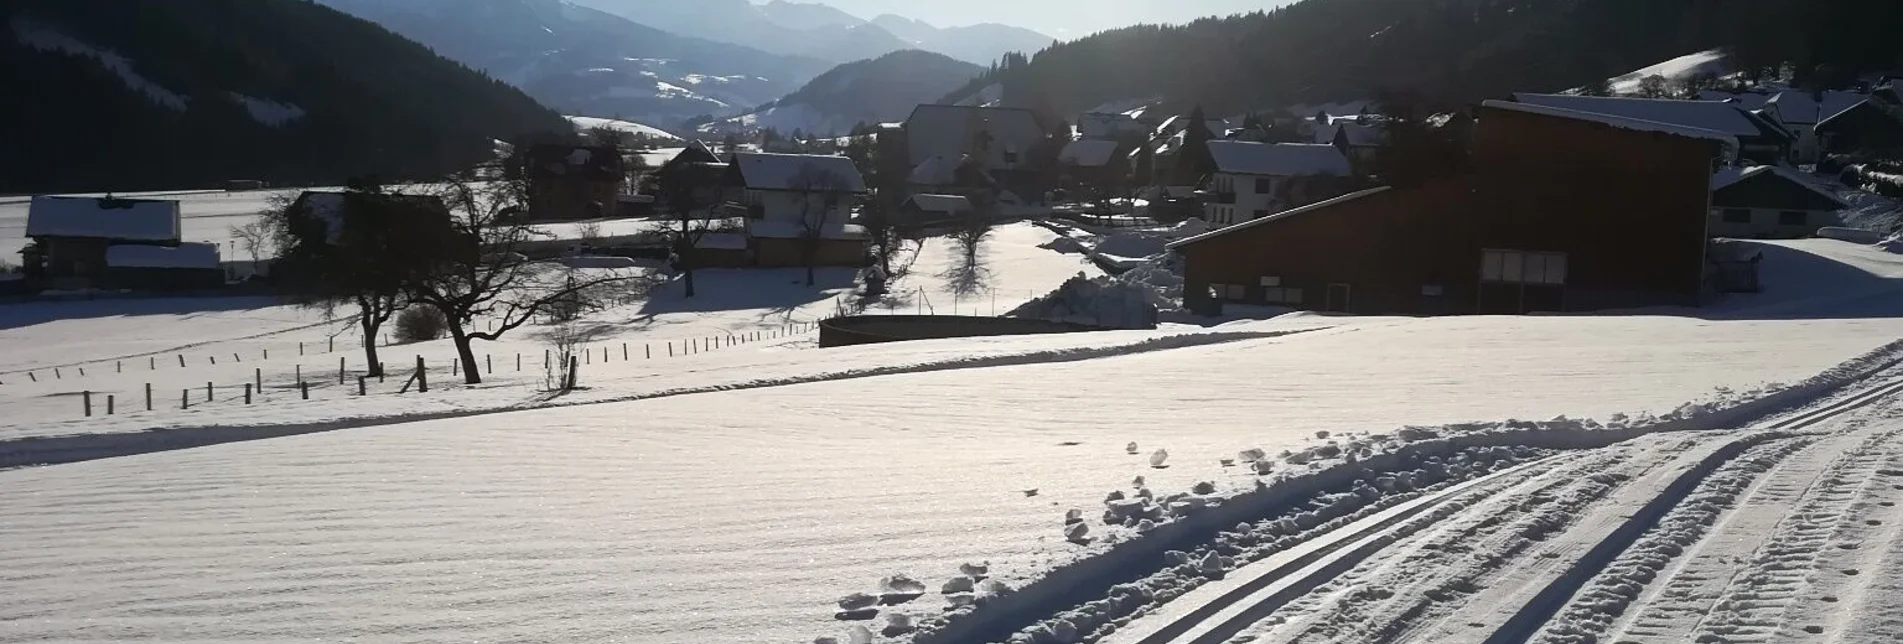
(884, 89)
(821, 31)
(586, 61)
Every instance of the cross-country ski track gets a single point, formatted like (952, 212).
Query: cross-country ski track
(1785, 530)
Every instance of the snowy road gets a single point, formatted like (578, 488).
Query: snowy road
(1782, 531)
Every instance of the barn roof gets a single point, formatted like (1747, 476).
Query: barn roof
(1278, 159)
(591, 162)
(1712, 116)
(103, 218)
(1276, 217)
(1622, 122)
(799, 172)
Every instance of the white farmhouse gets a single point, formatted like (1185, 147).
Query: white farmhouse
(1254, 180)
(794, 204)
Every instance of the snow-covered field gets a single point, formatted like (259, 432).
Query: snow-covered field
(735, 495)
(585, 123)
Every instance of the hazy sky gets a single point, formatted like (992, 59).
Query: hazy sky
(1058, 18)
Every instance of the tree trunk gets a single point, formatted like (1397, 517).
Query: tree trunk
(370, 326)
(687, 277)
(812, 257)
(471, 375)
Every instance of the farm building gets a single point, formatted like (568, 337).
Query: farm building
(187, 266)
(929, 208)
(1769, 202)
(1567, 211)
(1254, 180)
(71, 235)
(1760, 138)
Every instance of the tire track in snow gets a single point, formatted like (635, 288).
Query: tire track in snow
(1858, 607)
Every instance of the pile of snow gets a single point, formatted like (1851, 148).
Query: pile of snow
(1136, 246)
(1103, 301)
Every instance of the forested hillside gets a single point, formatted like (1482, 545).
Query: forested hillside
(166, 94)
(1317, 50)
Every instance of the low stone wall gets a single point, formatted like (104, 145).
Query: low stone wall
(872, 329)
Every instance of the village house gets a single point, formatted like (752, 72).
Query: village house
(995, 141)
(1796, 111)
(1255, 180)
(1093, 162)
(572, 182)
(1566, 211)
(73, 240)
(927, 209)
(796, 203)
(1760, 138)
(1870, 126)
(1358, 137)
(1769, 202)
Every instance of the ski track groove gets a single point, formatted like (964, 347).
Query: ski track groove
(1492, 529)
(1596, 539)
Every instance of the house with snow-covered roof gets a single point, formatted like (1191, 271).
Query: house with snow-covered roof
(1769, 202)
(997, 141)
(1758, 138)
(791, 203)
(72, 236)
(1869, 126)
(1253, 180)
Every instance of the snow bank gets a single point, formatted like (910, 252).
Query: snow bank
(1852, 235)
(587, 261)
(1103, 301)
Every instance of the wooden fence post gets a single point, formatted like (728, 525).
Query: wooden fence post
(181, 360)
(573, 371)
(87, 398)
(235, 358)
(151, 363)
(422, 377)
(267, 354)
(257, 379)
(647, 351)
(57, 375)
(148, 396)
(185, 398)
(363, 386)
(247, 393)
(214, 359)
(488, 364)
(298, 373)
(670, 348)
(518, 361)
(207, 392)
(82, 372)
(304, 390)
(333, 344)
(109, 404)
(118, 366)
(340, 370)
(300, 348)
(30, 376)
(455, 366)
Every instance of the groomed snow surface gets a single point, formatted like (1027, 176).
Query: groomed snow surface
(739, 494)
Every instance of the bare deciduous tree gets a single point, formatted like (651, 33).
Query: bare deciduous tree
(255, 239)
(483, 274)
(822, 193)
(348, 250)
(691, 193)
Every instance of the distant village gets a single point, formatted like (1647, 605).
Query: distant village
(1530, 203)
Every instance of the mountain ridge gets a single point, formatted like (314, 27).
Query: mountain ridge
(821, 31)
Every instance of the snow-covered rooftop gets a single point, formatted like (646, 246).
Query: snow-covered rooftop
(1087, 153)
(103, 218)
(1618, 121)
(1727, 177)
(1713, 116)
(1278, 159)
(186, 255)
(952, 204)
(801, 172)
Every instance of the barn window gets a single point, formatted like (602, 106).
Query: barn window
(1521, 267)
(1271, 281)
(1238, 292)
(1793, 218)
(1737, 216)
(1292, 296)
